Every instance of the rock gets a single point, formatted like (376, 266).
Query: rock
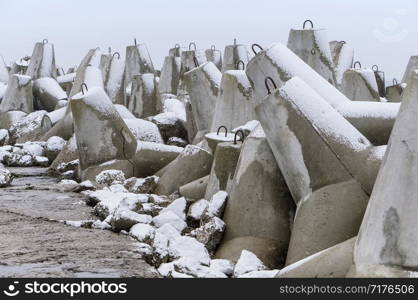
(53, 147)
(141, 185)
(260, 274)
(118, 188)
(185, 246)
(176, 141)
(167, 269)
(144, 131)
(68, 175)
(18, 160)
(193, 268)
(33, 149)
(163, 236)
(143, 249)
(41, 161)
(67, 182)
(248, 262)
(4, 137)
(6, 177)
(109, 177)
(149, 209)
(86, 185)
(210, 233)
(104, 202)
(216, 205)
(178, 207)
(28, 128)
(68, 166)
(223, 265)
(142, 232)
(125, 219)
(171, 218)
(163, 201)
(170, 125)
(196, 212)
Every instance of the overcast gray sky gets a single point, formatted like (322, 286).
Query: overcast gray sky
(382, 32)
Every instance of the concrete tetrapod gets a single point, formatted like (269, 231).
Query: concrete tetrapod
(4, 73)
(113, 82)
(143, 99)
(342, 57)
(203, 85)
(214, 55)
(18, 95)
(235, 57)
(259, 207)
(170, 75)
(195, 189)
(410, 69)
(101, 133)
(360, 85)
(104, 64)
(234, 105)
(388, 235)
(191, 59)
(312, 46)
(42, 62)
(329, 166)
(193, 163)
(395, 91)
(374, 120)
(47, 93)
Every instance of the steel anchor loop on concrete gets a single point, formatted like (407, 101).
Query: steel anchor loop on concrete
(241, 134)
(240, 63)
(117, 54)
(356, 63)
(222, 127)
(45, 41)
(194, 46)
(84, 85)
(266, 82)
(253, 46)
(196, 62)
(307, 21)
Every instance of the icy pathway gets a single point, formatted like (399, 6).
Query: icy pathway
(33, 245)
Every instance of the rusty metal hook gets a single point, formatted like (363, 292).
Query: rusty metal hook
(258, 46)
(196, 62)
(219, 129)
(84, 85)
(355, 63)
(190, 46)
(307, 21)
(375, 68)
(45, 41)
(242, 137)
(240, 62)
(116, 53)
(266, 81)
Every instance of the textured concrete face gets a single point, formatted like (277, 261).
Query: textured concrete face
(223, 168)
(47, 93)
(203, 86)
(259, 207)
(191, 164)
(42, 62)
(170, 75)
(18, 95)
(410, 68)
(4, 73)
(191, 59)
(360, 85)
(105, 64)
(388, 234)
(342, 57)
(114, 79)
(312, 46)
(394, 93)
(215, 56)
(234, 104)
(374, 120)
(333, 262)
(195, 189)
(143, 100)
(100, 132)
(233, 54)
(10, 117)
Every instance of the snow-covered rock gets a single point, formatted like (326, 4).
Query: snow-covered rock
(17, 160)
(41, 161)
(145, 131)
(6, 177)
(109, 177)
(185, 246)
(149, 209)
(86, 185)
(143, 249)
(170, 125)
(196, 212)
(68, 175)
(178, 207)
(54, 146)
(216, 205)
(125, 219)
(223, 265)
(169, 217)
(28, 127)
(190, 266)
(248, 262)
(118, 188)
(141, 185)
(100, 225)
(67, 182)
(176, 141)
(4, 137)
(68, 166)
(164, 235)
(162, 201)
(33, 149)
(142, 232)
(210, 233)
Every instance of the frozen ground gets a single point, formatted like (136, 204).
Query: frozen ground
(34, 244)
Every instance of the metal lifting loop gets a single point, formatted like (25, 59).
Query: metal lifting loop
(219, 129)
(313, 52)
(62, 70)
(45, 41)
(235, 41)
(357, 63)
(213, 48)
(307, 21)
(395, 81)
(258, 46)
(84, 85)
(240, 63)
(194, 46)
(177, 46)
(343, 42)
(116, 53)
(196, 63)
(242, 137)
(135, 42)
(266, 81)
(375, 68)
